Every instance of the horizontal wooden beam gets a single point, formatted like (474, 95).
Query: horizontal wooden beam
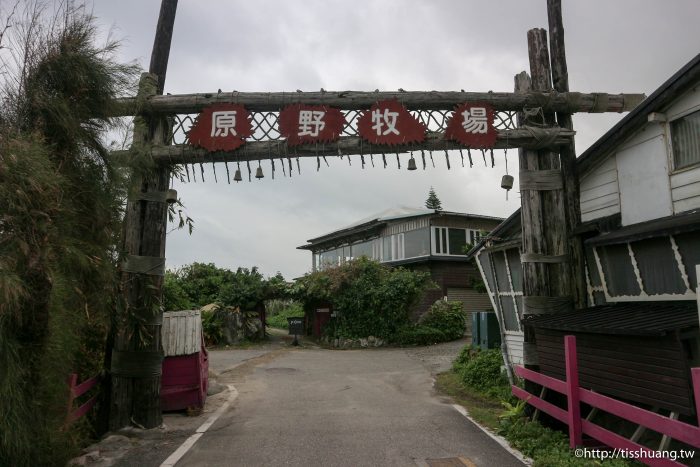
(348, 145)
(569, 102)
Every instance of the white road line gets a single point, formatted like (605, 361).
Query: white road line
(499, 439)
(175, 457)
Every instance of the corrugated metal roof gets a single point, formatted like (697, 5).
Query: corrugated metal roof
(629, 318)
(181, 332)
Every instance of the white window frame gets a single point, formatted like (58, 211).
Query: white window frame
(669, 139)
(446, 245)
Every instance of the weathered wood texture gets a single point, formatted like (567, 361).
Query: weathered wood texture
(347, 145)
(648, 370)
(162, 41)
(359, 100)
(560, 81)
(136, 399)
(543, 214)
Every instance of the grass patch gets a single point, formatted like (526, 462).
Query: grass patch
(280, 319)
(475, 383)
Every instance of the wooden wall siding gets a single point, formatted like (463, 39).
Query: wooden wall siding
(685, 190)
(600, 194)
(464, 223)
(472, 301)
(514, 343)
(181, 332)
(645, 370)
(399, 226)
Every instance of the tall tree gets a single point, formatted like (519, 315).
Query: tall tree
(433, 202)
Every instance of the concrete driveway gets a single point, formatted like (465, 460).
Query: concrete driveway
(315, 407)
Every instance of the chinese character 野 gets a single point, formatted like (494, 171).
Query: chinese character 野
(311, 122)
(306, 124)
(223, 122)
(387, 120)
(475, 120)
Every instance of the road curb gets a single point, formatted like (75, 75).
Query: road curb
(179, 453)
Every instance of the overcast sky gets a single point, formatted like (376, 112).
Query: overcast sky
(265, 45)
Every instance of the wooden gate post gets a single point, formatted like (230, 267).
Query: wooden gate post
(137, 354)
(546, 280)
(560, 80)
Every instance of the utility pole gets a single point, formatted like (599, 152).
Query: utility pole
(137, 353)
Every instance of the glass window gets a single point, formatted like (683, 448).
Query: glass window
(457, 241)
(685, 139)
(417, 243)
(329, 258)
(386, 249)
(516, 269)
(362, 249)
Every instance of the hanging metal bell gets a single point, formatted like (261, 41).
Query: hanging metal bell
(237, 176)
(507, 182)
(412, 164)
(259, 173)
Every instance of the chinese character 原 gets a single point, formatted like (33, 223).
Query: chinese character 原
(223, 122)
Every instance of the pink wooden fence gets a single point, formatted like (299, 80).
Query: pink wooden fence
(77, 390)
(675, 429)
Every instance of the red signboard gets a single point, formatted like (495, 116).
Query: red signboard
(221, 127)
(472, 125)
(388, 122)
(302, 124)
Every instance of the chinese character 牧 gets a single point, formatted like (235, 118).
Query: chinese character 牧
(311, 122)
(223, 122)
(475, 120)
(387, 118)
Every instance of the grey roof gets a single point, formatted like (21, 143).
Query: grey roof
(380, 219)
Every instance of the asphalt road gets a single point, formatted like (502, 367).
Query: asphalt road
(315, 407)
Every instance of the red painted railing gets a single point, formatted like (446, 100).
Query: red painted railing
(77, 390)
(675, 429)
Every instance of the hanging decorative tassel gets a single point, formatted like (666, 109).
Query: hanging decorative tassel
(298, 166)
(431, 159)
(384, 159)
(371, 158)
(447, 158)
(398, 160)
(325, 160)
(461, 154)
(318, 163)
(469, 154)
(228, 175)
(272, 161)
(187, 171)
(289, 160)
(493, 161)
(422, 156)
(194, 174)
(284, 171)
(483, 154)
(201, 168)
(213, 167)
(362, 158)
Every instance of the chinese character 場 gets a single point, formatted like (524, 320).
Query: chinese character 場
(475, 120)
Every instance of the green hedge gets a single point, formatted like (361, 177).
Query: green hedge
(280, 319)
(481, 371)
(445, 321)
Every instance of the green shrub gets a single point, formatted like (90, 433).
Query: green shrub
(370, 299)
(448, 317)
(482, 372)
(279, 320)
(212, 327)
(418, 335)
